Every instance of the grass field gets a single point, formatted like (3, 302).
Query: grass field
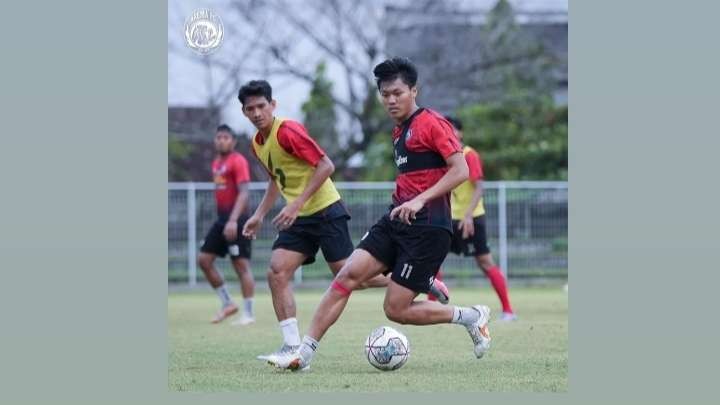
(527, 355)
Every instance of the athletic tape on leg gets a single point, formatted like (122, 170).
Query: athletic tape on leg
(344, 291)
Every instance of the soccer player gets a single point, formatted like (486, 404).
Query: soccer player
(468, 214)
(231, 176)
(314, 217)
(413, 238)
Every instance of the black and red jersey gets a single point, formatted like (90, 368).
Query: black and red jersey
(422, 143)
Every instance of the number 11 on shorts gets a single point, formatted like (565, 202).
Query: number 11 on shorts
(405, 273)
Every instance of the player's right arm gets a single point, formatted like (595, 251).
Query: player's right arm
(252, 225)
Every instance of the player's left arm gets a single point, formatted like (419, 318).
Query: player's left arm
(456, 174)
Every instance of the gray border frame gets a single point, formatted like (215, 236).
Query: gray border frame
(82, 221)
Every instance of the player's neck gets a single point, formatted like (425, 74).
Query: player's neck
(265, 132)
(412, 111)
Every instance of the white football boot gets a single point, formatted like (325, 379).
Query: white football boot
(479, 332)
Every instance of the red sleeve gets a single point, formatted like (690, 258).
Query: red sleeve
(442, 139)
(294, 138)
(241, 169)
(475, 166)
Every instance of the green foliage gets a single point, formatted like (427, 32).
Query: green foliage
(379, 163)
(521, 134)
(178, 154)
(516, 65)
(519, 141)
(319, 112)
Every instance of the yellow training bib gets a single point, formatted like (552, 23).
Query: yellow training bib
(461, 197)
(292, 175)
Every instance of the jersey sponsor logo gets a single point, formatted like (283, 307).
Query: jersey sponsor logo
(401, 160)
(219, 177)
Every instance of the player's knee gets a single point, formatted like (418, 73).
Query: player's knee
(240, 267)
(395, 313)
(348, 279)
(204, 261)
(277, 272)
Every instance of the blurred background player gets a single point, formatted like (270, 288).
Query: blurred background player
(413, 238)
(314, 217)
(469, 233)
(231, 176)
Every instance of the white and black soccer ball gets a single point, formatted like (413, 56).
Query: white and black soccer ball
(387, 349)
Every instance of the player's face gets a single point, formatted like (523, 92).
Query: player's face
(224, 143)
(259, 111)
(398, 99)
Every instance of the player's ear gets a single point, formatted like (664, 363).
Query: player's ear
(414, 90)
(273, 103)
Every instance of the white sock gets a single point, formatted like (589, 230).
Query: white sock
(248, 307)
(308, 348)
(464, 315)
(224, 295)
(290, 332)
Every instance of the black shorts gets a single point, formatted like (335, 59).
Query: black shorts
(413, 253)
(475, 245)
(216, 243)
(326, 230)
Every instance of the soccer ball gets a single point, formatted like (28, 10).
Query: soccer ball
(387, 349)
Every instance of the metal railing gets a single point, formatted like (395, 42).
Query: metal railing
(526, 226)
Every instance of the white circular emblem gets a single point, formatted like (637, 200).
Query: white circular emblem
(203, 31)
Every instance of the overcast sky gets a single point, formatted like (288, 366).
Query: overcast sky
(186, 77)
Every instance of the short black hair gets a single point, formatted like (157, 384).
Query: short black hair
(455, 122)
(226, 128)
(255, 88)
(392, 68)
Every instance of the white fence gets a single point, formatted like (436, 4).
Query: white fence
(526, 225)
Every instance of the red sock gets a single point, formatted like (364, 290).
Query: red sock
(438, 276)
(498, 282)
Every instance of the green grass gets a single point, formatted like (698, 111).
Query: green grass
(526, 355)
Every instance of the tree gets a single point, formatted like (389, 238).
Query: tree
(224, 69)
(519, 141)
(515, 66)
(178, 153)
(518, 130)
(348, 35)
(319, 112)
